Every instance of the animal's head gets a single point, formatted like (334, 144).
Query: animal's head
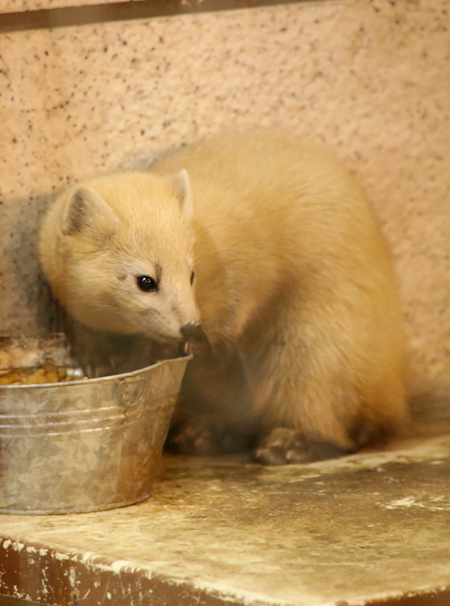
(123, 259)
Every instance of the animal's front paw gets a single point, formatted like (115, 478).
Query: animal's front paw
(206, 435)
(284, 446)
(194, 438)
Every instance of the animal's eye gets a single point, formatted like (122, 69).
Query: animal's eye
(192, 277)
(147, 284)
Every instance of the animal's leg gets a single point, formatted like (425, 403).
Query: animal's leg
(331, 387)
(214, 413)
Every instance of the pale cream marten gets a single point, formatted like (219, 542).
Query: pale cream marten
(269, 243)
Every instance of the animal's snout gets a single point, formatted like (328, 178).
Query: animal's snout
(195, 338)
(192, 331)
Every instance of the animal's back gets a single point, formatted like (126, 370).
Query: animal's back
(275, 210)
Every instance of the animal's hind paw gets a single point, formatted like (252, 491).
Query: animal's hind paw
(284, 446)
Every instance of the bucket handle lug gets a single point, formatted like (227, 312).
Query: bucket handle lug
(130, 391)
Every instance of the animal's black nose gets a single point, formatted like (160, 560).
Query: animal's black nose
(193, 332)
(196, 342)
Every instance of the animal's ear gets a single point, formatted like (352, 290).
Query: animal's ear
(83, 207)
(182, 187)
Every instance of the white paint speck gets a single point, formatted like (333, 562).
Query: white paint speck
(61, 557)
(437, 503)
(119, 565)
(86, 556)
(72, 576)
(405, 502)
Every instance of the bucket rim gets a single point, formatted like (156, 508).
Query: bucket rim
(96, 380)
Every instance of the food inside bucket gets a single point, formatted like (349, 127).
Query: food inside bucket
(48, 373)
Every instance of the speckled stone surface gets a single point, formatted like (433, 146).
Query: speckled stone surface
(368, 78)
(353, 531)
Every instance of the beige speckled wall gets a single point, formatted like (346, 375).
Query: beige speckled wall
(368, 77)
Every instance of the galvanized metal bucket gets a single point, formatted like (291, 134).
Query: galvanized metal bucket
(86, 445)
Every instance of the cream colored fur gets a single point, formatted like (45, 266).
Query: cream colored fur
(93, 269)
(293, 277)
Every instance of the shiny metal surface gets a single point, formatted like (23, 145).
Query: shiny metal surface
(86, 445)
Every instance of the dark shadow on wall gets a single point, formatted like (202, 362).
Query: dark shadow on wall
(28, 307)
